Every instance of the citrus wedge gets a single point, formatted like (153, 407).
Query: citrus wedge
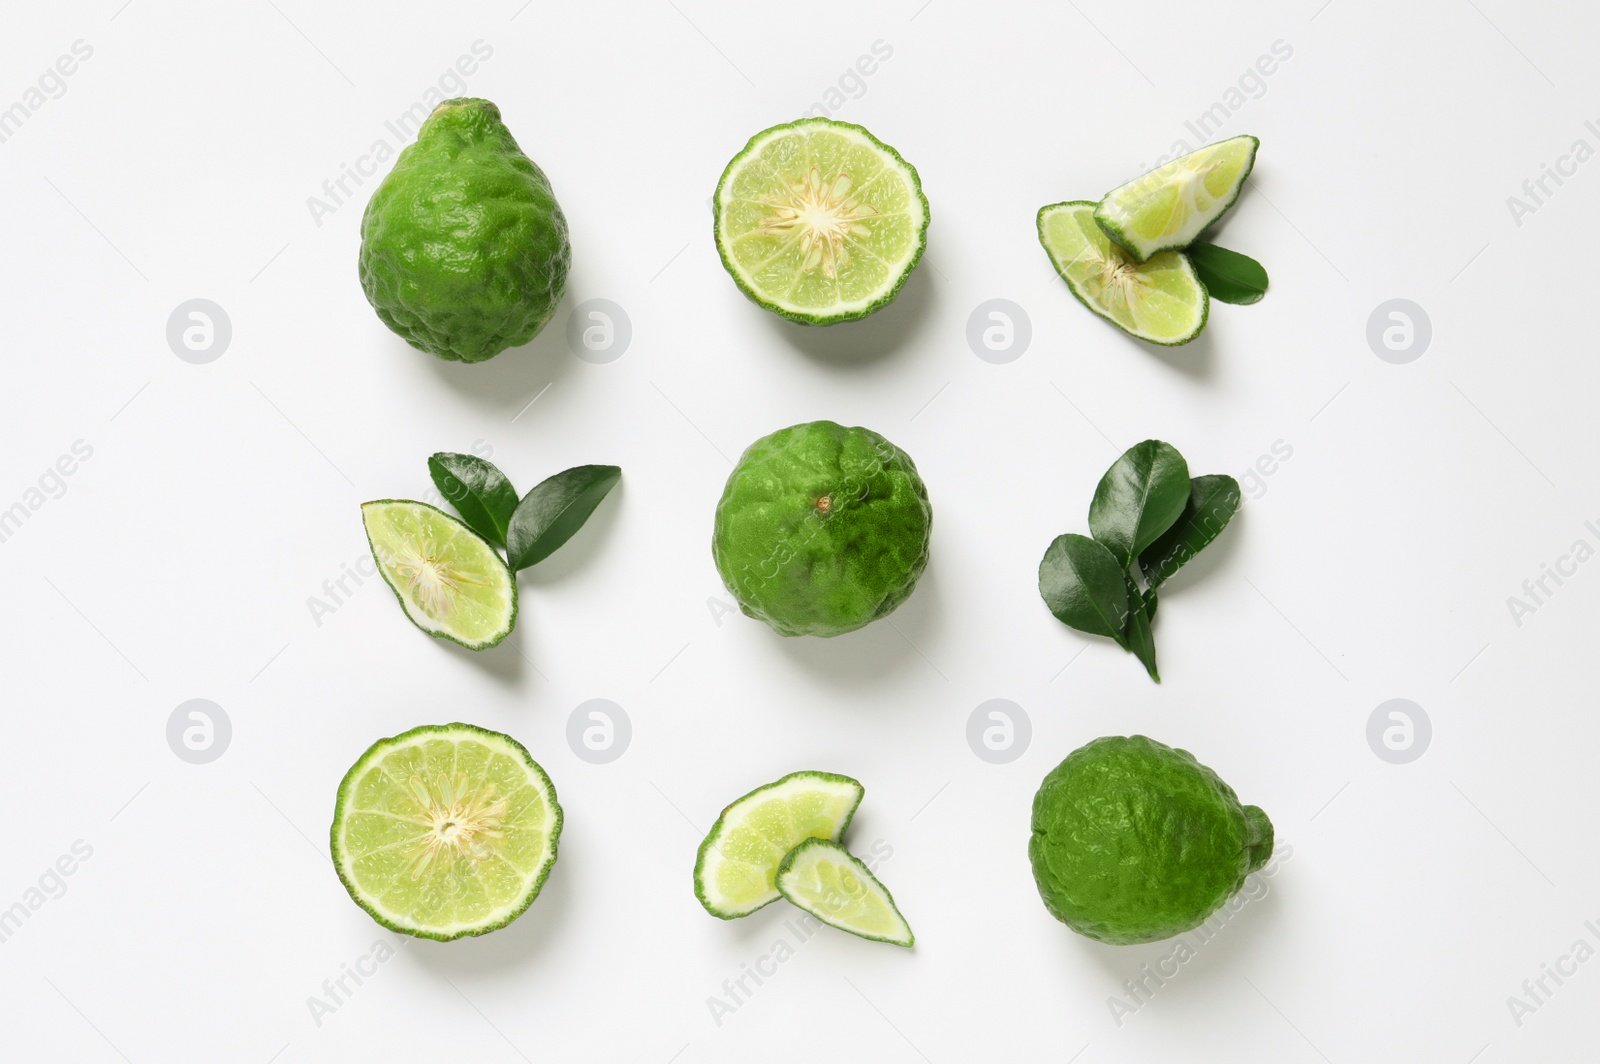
(1167, 208)
(449, 580)
(1160, 301)
(735, 869)
(830, 883)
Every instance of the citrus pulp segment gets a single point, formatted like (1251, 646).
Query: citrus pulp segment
(449, 580)
(735, 869)
(1160, 301)
(1167, 208)
(827, 881)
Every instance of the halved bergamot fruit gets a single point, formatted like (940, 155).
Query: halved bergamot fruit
(450, 581)
(445, 831)
(735, 869)
(830, 883)
(1167, 208)
(1161, 301)
(819, 221)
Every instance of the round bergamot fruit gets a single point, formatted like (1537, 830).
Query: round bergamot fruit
(464, 249)
(1134, 841)
(822, 529)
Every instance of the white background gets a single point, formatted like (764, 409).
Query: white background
(1375, 563)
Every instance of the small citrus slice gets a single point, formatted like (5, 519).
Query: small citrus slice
(1160, 301)
(445, 831)
(735, 869)
(1167, 208)
(830, 883)
(819, 221)
(449, 580)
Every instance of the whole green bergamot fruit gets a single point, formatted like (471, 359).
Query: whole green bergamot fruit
(822, 529)
(464, 250)
(1134, 841)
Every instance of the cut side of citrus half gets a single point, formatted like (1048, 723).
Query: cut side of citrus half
(737, 865)
(1167, 208)
(450, 581)
(1160, 301)
(445, 831)
(819, 221)
(830, 883)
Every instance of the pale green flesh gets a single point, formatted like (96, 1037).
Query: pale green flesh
(880, 239)
(826, 881)
(1171, 205)
(738, 863)
(384, 826)
(450, 581)
(1160, 300)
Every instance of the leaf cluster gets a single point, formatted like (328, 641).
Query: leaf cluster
(531, 528)
(1147, 519)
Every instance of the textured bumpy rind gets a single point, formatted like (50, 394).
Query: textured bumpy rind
(464, 249)
(885, 297)
(1134, 841)
(346, 786)
(822, 529)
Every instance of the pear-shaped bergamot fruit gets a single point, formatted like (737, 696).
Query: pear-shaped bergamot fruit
(819, 221)
(445, 831)
(822, 529)
(1134, 841)
(464, 250)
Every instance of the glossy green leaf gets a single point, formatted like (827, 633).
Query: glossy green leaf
(1084, 587)
(478, 490)
(1140, 496)
(555, 509)
(1228, 275)
(1141, 641)
(1213, 500)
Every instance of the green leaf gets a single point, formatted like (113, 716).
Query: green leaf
(1142, 493)
(480, 493)
(555, 509)
(1084, 587)
(1141, 641)
(1228, 275)
(1213, 500)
